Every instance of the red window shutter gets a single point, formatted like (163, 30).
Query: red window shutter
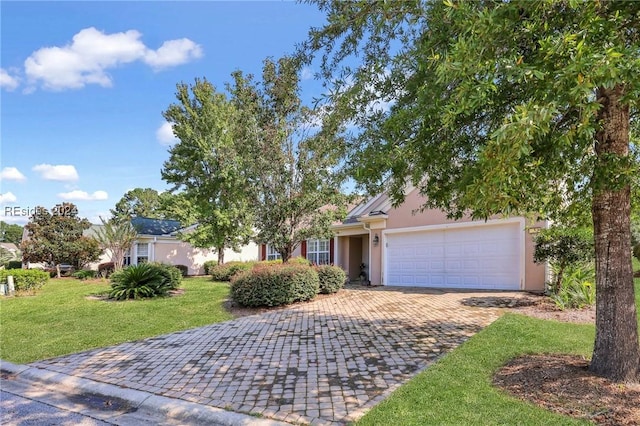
(331, 261)
(263, 252)
(303, 249)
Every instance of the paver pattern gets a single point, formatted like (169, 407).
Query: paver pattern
(323, 362)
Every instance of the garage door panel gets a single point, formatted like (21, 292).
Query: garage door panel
(471, 257)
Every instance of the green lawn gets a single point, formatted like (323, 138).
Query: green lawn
(59, 319)
(457, 390)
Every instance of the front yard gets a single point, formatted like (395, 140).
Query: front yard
(60, 320)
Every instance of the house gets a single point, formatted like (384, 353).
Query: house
(158, 241)
(11, 248)
(395, 247)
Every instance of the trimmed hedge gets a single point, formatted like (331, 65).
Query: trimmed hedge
(25, 279)
(85, 274)
(332, 278)
(171, 274)
(14, 264)
(208, 265)
(275, 285)
(226, 271)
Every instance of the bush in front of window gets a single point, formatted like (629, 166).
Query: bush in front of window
(275, 285)
(226, 271)
(332, 278)
(171, 273)
(140, 281)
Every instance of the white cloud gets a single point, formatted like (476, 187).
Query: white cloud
(306, 73)
(8, 82)
(172, 53)
(12, 173)
(92, 52)
(165, 135)
(83, 196)
(7, 198)
(61, 173)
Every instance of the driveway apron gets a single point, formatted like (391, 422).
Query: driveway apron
(323, 362)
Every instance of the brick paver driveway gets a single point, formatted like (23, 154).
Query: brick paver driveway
(323, 362)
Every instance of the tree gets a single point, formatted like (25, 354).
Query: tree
(206, 169)
(289, 166)
(117, 236)
(139, 202)
(56, 238)
(512, 107)
(10, 233)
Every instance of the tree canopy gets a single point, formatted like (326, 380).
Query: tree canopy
(117, 236)
(56, 238)
(10, 233)
(205, 169)
(142, 202)
(505, 107)
(290, 165)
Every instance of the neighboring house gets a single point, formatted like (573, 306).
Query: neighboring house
(399, 248)
(11, 248)
(158, 242)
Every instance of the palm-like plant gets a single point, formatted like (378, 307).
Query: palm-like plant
(118, 237)
(138, 282)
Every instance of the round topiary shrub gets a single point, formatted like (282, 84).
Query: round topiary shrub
(172, 274)
(332, 278)
(139, 282)
(226, 271)
(275, 285)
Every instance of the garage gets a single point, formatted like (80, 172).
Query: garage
(474, 255)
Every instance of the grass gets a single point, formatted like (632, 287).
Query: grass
(60, 320)
(457, 389)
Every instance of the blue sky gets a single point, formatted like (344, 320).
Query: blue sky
(83, 86)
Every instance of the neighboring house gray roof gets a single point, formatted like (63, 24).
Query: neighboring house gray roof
(147, 226)
(10, 246)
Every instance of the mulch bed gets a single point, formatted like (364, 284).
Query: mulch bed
(562, 383)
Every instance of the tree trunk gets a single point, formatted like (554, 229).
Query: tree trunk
(220, 255)
(616, 353)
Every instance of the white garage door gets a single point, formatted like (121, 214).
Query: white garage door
(478, 257)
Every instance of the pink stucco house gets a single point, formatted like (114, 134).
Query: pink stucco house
(395, 247)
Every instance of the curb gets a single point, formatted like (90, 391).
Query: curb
(175, 409)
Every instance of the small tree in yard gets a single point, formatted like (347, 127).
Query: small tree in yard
(563, 247)
(206, 170)
(117, 236)
(505, 107)
(56, 238)
(289, 167)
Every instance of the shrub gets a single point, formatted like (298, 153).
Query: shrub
(208, 265)
(332, 278)
(563, 247)
(138, 282)
(226, 271)
(85, 274)
(13, 264)
(578, 289)
(105, 269)
(184, 270)
(25, 279)
(274, 285)
(171, 274)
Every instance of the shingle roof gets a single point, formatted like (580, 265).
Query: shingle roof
(146, 226)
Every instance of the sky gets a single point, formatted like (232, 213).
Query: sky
(83, 86)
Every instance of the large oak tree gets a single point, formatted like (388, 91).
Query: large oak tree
(501, 107)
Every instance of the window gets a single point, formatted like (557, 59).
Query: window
(143, 253)
(127, 258)
(318, 252)
(272, 254)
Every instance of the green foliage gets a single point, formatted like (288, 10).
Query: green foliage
(226, 271)
(332, 278)
(25, 279)
(56, 237)
(562, 247)
(206, 170)
(208, 265)
(139, 202)
(290, 167)
(13, 264)
(171, 273)
(184, 269)
(85, 274)
(10, 233)
(275, 285)
(635, 237)
(139, 282)
(117, 236)
(106, 269)
(578, 288)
